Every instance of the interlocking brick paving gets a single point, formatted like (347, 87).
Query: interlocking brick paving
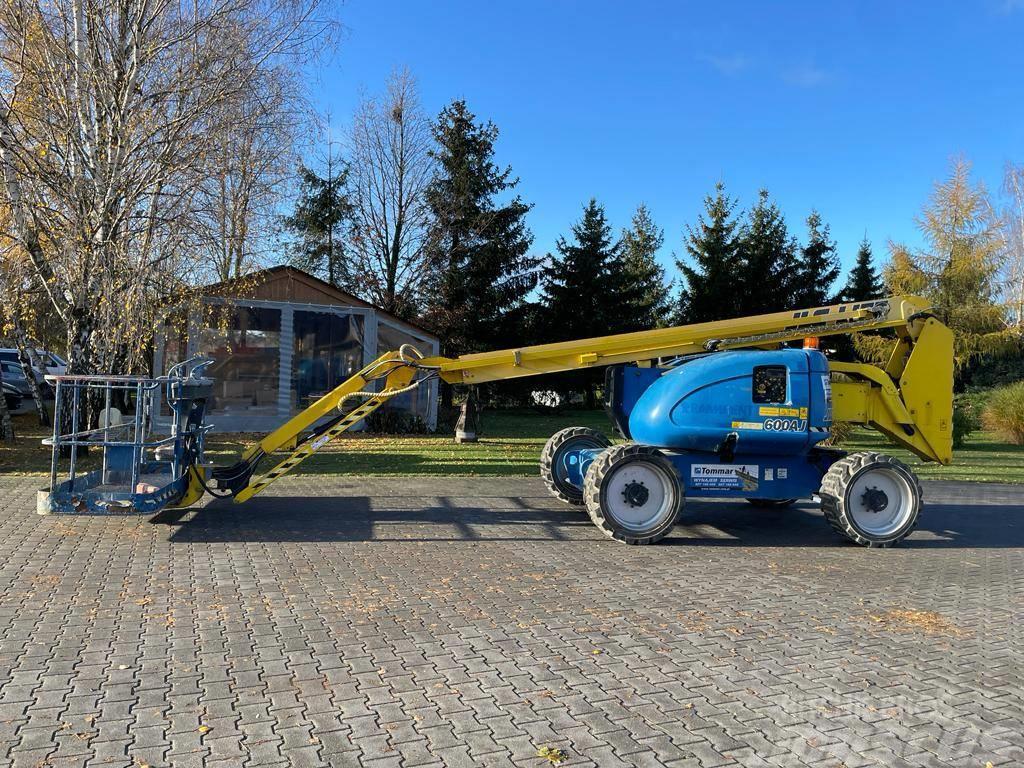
(450, 622)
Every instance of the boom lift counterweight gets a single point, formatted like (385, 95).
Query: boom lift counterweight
(726, 410)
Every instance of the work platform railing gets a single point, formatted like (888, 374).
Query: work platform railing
(137, 470)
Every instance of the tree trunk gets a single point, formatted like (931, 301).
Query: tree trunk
(6, 427)
(26, 368)
(80, 340)
(447, 394)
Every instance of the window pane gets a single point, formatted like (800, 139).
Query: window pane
(175, 342)
(328, 349)
(244, 343)
(389, 339)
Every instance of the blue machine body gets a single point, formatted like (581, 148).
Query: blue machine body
(738, 423)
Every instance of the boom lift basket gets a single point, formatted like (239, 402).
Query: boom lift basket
(128, 469)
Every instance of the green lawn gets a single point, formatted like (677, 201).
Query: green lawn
(983, 459)
(510, 446)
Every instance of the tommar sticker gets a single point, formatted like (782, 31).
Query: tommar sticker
(739, 476)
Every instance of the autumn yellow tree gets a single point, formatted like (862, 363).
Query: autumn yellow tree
(959, 265)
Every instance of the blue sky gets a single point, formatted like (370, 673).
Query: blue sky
(853, 108)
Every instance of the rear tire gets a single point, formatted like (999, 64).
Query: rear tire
(633, 494)
(872, 499)
(552, 468)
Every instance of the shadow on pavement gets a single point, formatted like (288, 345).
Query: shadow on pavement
(940, 526)
(503, 518)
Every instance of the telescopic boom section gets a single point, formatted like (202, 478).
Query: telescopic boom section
(910, 399)
(744, 332)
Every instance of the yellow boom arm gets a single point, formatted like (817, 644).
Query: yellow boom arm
(910, 399)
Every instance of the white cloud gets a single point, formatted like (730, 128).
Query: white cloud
(806, 76)
(731, 64)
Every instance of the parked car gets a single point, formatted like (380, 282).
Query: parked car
(12, 397)
(12, 374)
(55, 364)
(44, 362)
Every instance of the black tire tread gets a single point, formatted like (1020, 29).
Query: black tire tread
(833, 495)
(596, 473)
(547, 458)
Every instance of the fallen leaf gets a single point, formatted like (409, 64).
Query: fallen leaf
(553, 755)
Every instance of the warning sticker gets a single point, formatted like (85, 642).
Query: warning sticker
(772, 410)
(826, 385)
(747, 425)
(740, 476)
(319, 443)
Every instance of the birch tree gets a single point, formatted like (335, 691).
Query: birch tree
(389, 172)
(19, 311)
(6, 426)
(107, 108)
(1012, 277)
(250, 163)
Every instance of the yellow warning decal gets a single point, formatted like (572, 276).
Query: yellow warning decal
(771, 410)
(747, 425)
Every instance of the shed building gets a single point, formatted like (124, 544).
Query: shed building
(281, 338)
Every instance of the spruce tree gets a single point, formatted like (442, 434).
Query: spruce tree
(711, 279)
(582, 285)
(645, 290)
(582, 290)
(768, 259)
(863, 282)
(477, 244)
(817, 266)
(317, 222)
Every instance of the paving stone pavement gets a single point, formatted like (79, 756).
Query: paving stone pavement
(468, 622)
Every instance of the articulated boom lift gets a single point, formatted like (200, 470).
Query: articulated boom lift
(721, 409)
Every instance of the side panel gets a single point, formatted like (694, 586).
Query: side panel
(774, 402)
(763, 476)
(704, 475)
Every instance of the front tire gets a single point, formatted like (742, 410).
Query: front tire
(872, 499)
(633, 494)
(552, 468)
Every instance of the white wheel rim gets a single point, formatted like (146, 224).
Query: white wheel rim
(875, 488)
(659, 501)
